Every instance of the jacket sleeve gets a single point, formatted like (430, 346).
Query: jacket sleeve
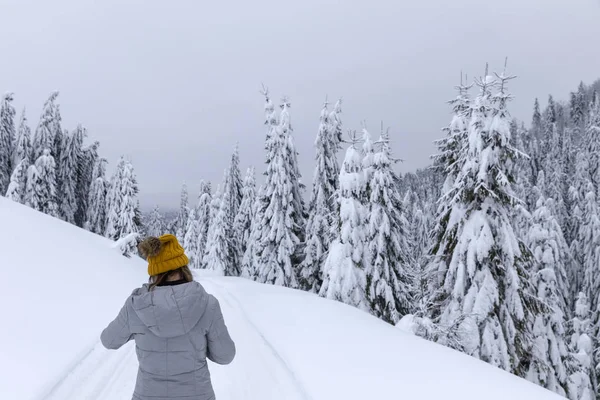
(220, 347)
(117, 333)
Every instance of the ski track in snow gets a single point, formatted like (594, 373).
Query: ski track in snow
(258, 371)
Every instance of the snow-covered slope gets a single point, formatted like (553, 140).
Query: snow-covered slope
(62, 285)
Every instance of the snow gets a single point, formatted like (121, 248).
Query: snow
(291, 344)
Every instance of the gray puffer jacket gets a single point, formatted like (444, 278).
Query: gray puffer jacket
(175, 328)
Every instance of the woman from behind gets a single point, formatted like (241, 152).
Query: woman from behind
(176, 326)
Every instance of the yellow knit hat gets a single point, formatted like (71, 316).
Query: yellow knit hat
(163, 254)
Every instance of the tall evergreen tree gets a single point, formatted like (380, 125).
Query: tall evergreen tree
(549, 351)
(386, 247)
(59, 139)
(155, 225)
(44, 185)
(18, 182)
(23, 147)
(85, 177)
(322, 207)
(577, 194)
(7, 140)
(96, 212)
(203, 213)
(243, 220)
(123, 215)
(282, 206)
(217, 253)
(190, 241)
(452, 148)
(250, 260)
(582, 381)
(592, 140)
(589, 237)
(344, 277)
(481, 263)
(68, 173)
(182, 216)
(45, 131)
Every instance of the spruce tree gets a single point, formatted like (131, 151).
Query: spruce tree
(46, 130)
(344, 277)
(31, 193)
(322, 208)
(7, 140)
(68, 172)
(250, 258)
(386, 247)
(452, 148)
(155, 223)
(282, 207)
(592, 140)
(589, 237)
(59, 139)
(481, 263)
(96, 212)
(203, 213)
(190, 241)
(85, 177)
(182, 216)
(23, 147)
(549, 351)
(18, 182)
(217, 253)
(123, 217)
(44, 185)
(243, 220)
(582, 381)
(577, 194)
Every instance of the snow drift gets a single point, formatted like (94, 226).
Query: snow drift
(63, 285)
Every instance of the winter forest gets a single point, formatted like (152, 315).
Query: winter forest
(493, 250)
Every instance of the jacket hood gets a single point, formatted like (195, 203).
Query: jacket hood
(170, 311)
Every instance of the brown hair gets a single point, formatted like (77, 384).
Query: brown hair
(159, 279)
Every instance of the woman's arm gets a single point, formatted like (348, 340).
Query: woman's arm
(117, 333)
(220, 347)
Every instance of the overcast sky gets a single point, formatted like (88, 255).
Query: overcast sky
(173, 85)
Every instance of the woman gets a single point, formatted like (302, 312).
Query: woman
(176, 326)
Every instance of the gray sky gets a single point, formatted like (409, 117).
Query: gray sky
(174, 84)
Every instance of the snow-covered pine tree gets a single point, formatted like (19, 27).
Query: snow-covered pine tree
(23, 147)
(7, 140)
(59, 140)
(282, 207)
(589, 237)
(18, 182)
(68, 172)
(96, 211)
(322, 209)
(548, 245)
(577, 193)
(250, 261)
(182, 216)
(45, 131)
(217, 253)
(295, 179)
(453, 147)
(582, 381)
(481, 263)
(243, 220)
(203, 214)
(44, 185)
(235, 183)
(155, 223)
(386, 248)
(85, 177)
(31, 194)
(344, 277)
(124, 215)
(190, 240)
(592, 140)
(548, 367)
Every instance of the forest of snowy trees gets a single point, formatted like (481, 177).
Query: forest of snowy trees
(55, 172)
(493, 251)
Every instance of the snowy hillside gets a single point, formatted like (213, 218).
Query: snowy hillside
(62, 285)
